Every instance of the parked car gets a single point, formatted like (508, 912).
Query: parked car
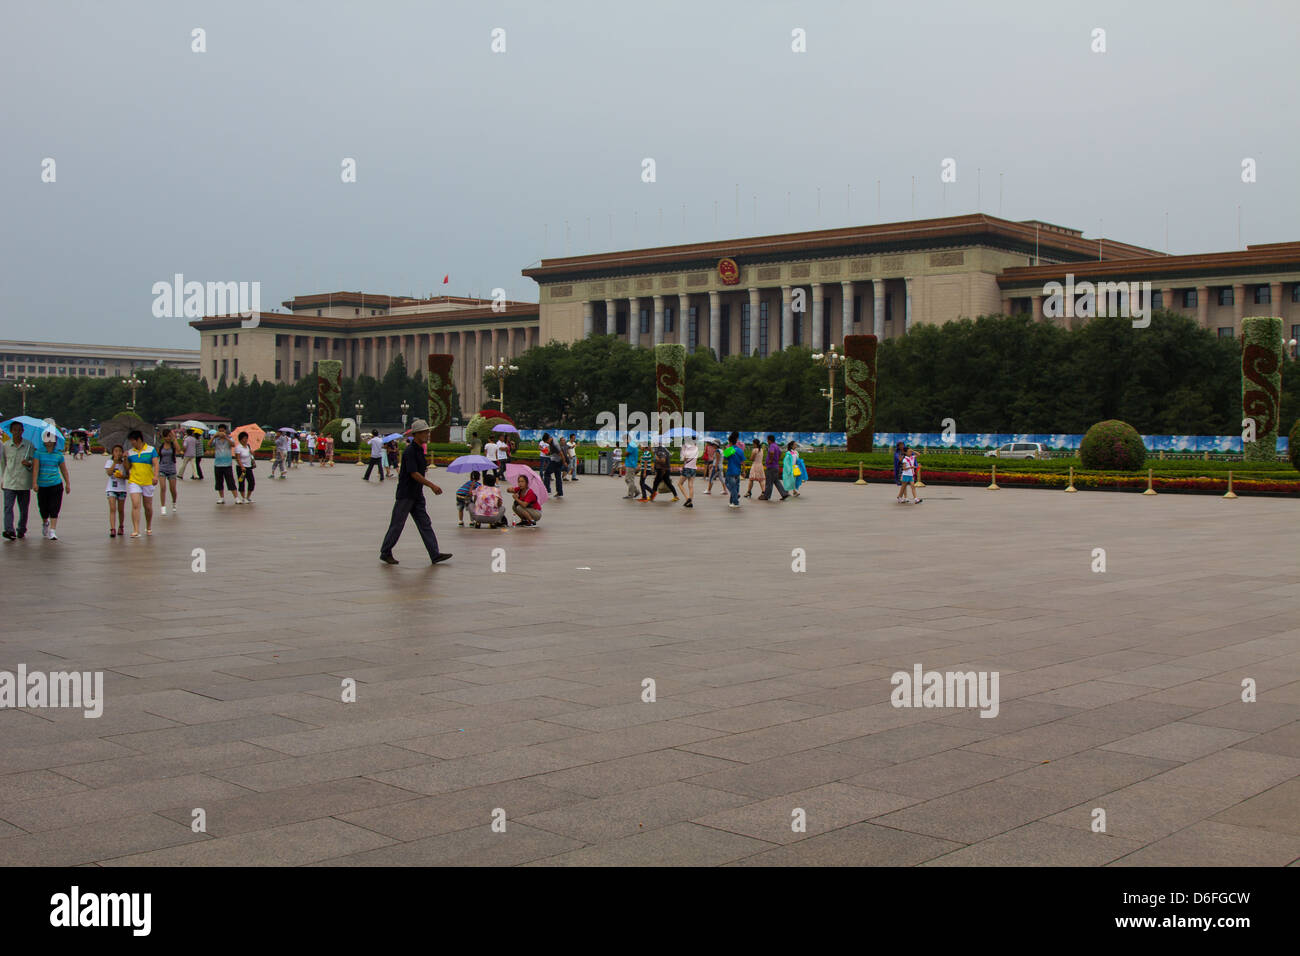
(1019, 449)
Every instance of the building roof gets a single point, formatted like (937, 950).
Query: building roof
(372, 300)
(1267, 258)
(512, 314)
(1056, 242)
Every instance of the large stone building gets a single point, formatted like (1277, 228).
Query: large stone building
(813, 288)
(366, 332)
(19, 359)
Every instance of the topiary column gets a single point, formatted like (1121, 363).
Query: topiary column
(440, 397)
(329, 389)
(670, 382)
(1261, 383)
(860, 391)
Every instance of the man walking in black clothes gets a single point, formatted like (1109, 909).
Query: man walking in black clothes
(772, 468)
(410, 498)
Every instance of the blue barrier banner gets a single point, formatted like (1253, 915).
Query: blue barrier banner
(986, 441)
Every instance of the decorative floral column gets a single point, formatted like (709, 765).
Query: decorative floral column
(440, 380)
(1261, 383)
(329, 390)
(860, 391)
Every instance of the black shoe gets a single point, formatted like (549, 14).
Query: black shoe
(10, 535)
(444, 556)
(22, 534)
(387, 559)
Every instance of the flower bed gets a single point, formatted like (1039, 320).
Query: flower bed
(1084, 481)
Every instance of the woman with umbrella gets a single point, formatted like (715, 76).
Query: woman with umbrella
(526, 506)
(244, 453)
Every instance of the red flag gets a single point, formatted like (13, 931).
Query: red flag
(446, 279)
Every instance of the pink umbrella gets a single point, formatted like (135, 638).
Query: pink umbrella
(514, 470)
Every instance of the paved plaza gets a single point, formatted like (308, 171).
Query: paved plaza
(519, 695)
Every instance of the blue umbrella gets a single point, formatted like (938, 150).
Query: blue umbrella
(467, 463)
(503, 427)
(393, 437)
(681, 433)
(33, 428)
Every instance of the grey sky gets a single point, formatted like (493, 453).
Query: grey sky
(225, 165)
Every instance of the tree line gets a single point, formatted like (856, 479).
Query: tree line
(991, 374)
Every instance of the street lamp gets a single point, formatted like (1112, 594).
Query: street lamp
(832, 361)
(500, 370)
(311, 415)
(359, 407)
(405, 408)
(133, 383)
(23, 388)
(1289, 347)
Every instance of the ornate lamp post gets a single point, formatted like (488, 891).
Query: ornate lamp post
(500, 370)
(133, 383)
(23, 388)
(359, 407)
(311, 415)
(832, 361)
(406, 407)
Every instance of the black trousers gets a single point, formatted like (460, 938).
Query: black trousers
(224, 475)
(49, 501)
(246, 481)
(412, 507)
(773, 481)
(375, 463)
(663, 479)
(198, 466)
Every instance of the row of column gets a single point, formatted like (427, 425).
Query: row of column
(472, 349)
(1167, 302)
(755, 293)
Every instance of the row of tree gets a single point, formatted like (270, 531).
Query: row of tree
(992, 374)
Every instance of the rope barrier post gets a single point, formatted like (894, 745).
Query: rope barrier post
(994, 485)
(1230, 493)
(861, 480)
(1150, 490)
(1070, 488)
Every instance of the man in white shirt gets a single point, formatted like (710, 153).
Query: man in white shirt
(376, 457)
(490, 451)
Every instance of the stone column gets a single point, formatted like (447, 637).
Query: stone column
(846, 312)
(816, 336)
(633, 321)
(753, 321)
(1275, 298)
(611, 316)
(787, 320)
(1006, 305)
(659, 320)
(715, 323)
(907, 313)
(684, 321)
(878, 324)
(1203, 306)
(1036, 307)
(587, 320)
(1238, 307)
(1167, 299)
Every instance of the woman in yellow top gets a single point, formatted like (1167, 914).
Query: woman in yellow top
(141, 480)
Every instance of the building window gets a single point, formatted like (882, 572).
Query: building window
(1295, 332)
(297, 371)
(225, 364)
(1225, 331)
(225, 340)
(356, 311)
(798, 328)
(318, 311)
(857, 309)
(236, 338)
(620, 323)
(1225, 296)
(744, 328)
(1263, 295)
(277, 368)
(692, 328)
(762, 329)
(1189, 299)
(214, 341)
(643, 321)
(1295, 292)
(668, 320)
(299, 341)
(1157, 300)
(279, 340)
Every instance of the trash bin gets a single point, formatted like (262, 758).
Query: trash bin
(603, 463)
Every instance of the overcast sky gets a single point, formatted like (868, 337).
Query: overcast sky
(225, 165)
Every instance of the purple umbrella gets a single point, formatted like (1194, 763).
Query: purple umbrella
(503, 427)
(467, 463)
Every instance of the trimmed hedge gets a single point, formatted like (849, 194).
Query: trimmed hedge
(1112, 446)
(1293, 446)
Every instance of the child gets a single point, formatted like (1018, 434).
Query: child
(465, 493)
(486, 504)
(907, 476)
(116, 492)
(51, 481)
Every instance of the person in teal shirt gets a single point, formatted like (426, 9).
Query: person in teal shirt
(51, 481)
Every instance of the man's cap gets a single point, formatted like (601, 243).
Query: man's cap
(419, 425)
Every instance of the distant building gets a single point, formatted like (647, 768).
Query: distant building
(20, 359)
(366, 332)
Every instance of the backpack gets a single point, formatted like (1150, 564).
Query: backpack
(662, 457)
